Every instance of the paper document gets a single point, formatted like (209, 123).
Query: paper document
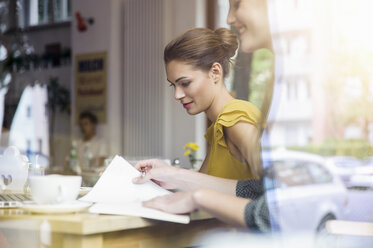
(114, 193)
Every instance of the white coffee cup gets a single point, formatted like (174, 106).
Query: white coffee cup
(54, 189)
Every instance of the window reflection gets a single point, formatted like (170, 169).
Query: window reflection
(38, 12)
(30, 127)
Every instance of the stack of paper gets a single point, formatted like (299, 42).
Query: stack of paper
(114, 193)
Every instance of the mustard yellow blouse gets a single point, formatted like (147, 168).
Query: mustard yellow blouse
(221, 163)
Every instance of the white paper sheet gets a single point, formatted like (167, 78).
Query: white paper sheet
(114, 193)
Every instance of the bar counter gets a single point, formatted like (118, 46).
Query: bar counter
(22, 229)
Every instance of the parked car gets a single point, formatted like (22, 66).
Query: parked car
(368, 161)
(363, 176)
(303, 190)
(343, 166)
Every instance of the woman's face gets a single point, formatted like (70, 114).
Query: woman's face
(194, 88)
(250, 18)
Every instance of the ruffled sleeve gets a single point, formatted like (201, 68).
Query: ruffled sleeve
(210, 134)
(233, 112)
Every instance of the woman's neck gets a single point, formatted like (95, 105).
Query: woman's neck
(221, 99)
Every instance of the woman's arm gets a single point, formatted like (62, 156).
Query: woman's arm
(227, 208)
(170, 177)
(245, 137)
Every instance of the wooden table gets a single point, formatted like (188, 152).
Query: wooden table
(22, 229)
(356, 228)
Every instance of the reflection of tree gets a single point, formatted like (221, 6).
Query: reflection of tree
(261, 80)
(349, 89)
(242, 71)
(58, 100)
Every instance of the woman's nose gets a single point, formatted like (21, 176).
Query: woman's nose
(230, 17)
(179, 93)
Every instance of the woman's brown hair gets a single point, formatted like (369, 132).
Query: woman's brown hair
(201, 47)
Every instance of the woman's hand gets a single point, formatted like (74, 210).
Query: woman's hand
(177, 203)
(159, 172)
(170, 177)
(227, 208)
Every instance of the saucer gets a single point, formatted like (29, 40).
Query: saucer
(62, 208)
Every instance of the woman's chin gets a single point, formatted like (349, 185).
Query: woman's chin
(193, 112)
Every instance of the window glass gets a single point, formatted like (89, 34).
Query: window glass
(319, 174)
(36, 12)
(291, 173)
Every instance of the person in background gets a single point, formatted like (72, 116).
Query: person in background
(91, 151)
(197, 62)
(238, 202)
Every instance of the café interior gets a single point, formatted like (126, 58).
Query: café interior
(78, 70)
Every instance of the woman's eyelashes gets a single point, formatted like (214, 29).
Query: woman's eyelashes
(185, 84)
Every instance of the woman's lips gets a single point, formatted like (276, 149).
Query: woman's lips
(187, 105)
(241, 30)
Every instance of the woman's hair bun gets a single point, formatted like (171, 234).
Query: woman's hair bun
(228, 39)
(202, 47)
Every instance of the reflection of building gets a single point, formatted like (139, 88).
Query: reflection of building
(30, 131)
(308, 37)
(301, 44)
(292, 122)
(292, 119)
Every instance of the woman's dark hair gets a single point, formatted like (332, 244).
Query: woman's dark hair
(201, 47)
(89, 115)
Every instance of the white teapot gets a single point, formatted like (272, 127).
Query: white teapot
(13, 169)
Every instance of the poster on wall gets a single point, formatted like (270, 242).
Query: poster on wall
(91, 84)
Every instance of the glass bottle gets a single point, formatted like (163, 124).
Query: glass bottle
(87, 157)
(74, 165)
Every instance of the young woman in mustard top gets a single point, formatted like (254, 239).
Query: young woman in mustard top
(196, 63)
(239, 202)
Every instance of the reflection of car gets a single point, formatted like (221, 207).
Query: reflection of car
(363, 176)
(368, 161)
(361, 182)
(343, 166)
(306, 192)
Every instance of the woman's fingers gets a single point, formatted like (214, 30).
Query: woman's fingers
(155, 203)
(148, 165)
(142, 179)
(158, 172)
(177, 203)
(145, 163)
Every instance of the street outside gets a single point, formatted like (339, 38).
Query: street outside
(360, 205)
(360, 208)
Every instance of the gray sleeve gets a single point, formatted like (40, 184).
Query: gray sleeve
(249, 189)
(256, 211)
(257, 215)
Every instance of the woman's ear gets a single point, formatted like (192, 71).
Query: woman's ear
(216, 72)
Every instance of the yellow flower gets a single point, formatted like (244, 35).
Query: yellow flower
(187, 153)
(192, 146)
(188, 145)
